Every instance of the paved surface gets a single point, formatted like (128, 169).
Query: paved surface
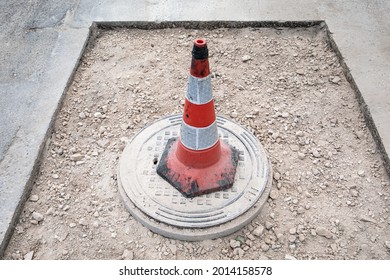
(41, 43)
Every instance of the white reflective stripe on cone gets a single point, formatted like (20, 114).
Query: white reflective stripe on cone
(199, 90)
(196, 138)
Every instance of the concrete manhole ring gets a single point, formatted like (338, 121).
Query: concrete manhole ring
(164, 210)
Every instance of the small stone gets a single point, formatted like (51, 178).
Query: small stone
(301, 155)
(285, 115)
(334, 247)
(274, 194)
(387, 244)
(83, 222)
(29, 256)
(72, 225)
(103, 143)
(361, 173)
(316, 154)
(65, 252)
(114, 235)
(173, 248)
(258, 231)
(55, 176)
(300, 72)
(294, 148)
(98, 115)
(239, 252)
(82, 115)
(292, 238)
(50, 211)
(246, 58)
(293, 230)
(234, 114)
(268, 225)
(264, 247)
(301, 237)
(277, 176)
(127, 255)
(321, 231)
(336, 80)
(234, 243)
(76, 157)
(289, 257)
(359, 134)
(299, 133)
(37, 216)
(34, 198)
(316, 172)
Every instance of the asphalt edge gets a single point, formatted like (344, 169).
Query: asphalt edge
(43, 146)
(360, 98)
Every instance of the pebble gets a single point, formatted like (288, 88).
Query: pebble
(29, 256)
(72, 225)
(37, 216)
(336, 80)
(289, 257)
(98, 115)
(301, 155)
(315, 171)
(239, 252)
(292, 238)
(274, 194)
(82, 115)
(83, 222)
(173, 248)
(300, 72)
(76, 157)
(34, 198)
(127, 255)
(293, 230)
(55, 176)
(361, 173)
(387, 244)
(277, 176)
(234, 243)
(258, 231)
(316, 154)
(264, 247)
(294, 148)
(321, 231)
(359, 134)
(234, 114)
(285, 115)
(246, 58)
(268, 225)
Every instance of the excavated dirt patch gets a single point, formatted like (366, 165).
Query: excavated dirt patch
(330, 197)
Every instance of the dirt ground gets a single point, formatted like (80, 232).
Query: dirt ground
(330, 196)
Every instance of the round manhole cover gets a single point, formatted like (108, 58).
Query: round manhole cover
(163, 209)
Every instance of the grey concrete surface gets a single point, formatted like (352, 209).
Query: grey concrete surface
(41, 43)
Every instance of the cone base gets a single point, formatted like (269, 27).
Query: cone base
(191, 181)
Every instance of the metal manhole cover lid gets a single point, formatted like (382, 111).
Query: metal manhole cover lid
(153, 200)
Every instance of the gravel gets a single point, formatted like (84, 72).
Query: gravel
(330, 197)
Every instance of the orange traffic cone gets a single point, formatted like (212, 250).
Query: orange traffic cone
(198, 162)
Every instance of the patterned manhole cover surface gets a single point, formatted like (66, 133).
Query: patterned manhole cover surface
(163, 209)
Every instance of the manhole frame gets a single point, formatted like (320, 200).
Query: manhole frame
(219, 229)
